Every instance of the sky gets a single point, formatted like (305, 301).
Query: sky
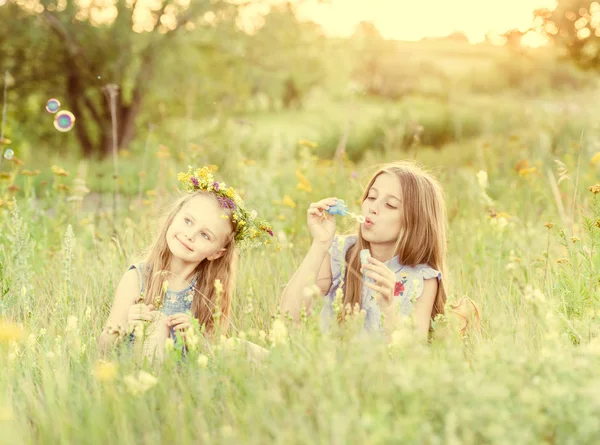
(415, 19)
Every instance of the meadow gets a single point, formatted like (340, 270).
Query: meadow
(521, 175)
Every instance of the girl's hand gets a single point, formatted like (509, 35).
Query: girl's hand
(179, 322)
(385, 281)
(140, 313)
(320, 223)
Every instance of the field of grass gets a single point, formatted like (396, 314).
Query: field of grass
(524, 243)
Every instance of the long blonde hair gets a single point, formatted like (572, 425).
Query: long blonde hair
(206, 301)
(422, 239)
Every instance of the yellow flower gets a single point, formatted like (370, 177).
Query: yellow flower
(202, 361)
(281, 217)
(125, 153)
(30, 173)
(59, 171)
(183, 177)
(288, 202)
(549, 225)
(562, 260)
(525, 172)
(308, 143)
(595, 189)
(105, 371)
(574, 239)
(10, 332)
(595, 159)
(303, 183)
(5, 175)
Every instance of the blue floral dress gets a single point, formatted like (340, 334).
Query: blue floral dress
(175, 301)
(409, 285)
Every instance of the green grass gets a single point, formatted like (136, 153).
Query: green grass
(528, 376)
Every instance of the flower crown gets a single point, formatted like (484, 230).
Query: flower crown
(248, 227)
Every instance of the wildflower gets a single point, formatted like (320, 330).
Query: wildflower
(303, 183)
(140, 384)
(595, 189)
(525, 172)
(281, 217)
(10, 332)
(279, 333)
(218, 286)
(169, 344)
(59, 171)
(26, 172)
(597, 224)
(482, 179)
(574, 239)
(562, 261)
(71, 323)
(549, 225)
(202, 361)
(595, 159)
(163, 152)
(5, 176)
(308, 143)
(288, 202)
(14, 188)
(105, 371)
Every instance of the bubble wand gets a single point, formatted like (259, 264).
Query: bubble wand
(340, 208)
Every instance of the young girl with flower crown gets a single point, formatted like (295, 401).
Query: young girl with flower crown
(190, 268)
(404, 230)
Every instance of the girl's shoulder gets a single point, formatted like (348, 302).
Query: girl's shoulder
(422, 270)
(140, 268)
(341, 244)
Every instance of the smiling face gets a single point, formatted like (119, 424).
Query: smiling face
(383, 209)
(199, 231)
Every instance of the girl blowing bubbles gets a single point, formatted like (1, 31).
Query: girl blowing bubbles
(190, 268)
(405, 232)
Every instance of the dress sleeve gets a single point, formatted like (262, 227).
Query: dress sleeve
(423, 272)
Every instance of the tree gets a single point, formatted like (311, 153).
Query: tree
(75, 49)
(574, 27)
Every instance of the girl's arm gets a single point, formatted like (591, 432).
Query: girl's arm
(316, 267)
(126, 294)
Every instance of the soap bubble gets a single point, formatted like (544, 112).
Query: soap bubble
(3, 2)
(64, 121)
(8, 153)
(52, 105)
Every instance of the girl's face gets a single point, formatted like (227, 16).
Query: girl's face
(383, 209)
(198, 231)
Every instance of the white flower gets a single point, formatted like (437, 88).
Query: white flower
(482, 179)
(71, 323)
(140, 384)
(279, 333)
(253, 215)
(202, 361)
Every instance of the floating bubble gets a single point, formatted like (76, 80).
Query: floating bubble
(8, 153)
(64, 121)
(3, 2)
(52, 105)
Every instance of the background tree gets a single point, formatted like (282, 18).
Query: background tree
(70, 50)
(574, 27)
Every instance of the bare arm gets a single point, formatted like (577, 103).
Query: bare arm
(315, 268)
(126, 295)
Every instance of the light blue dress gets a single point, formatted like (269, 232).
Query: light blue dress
(175, 302)
(409, 286)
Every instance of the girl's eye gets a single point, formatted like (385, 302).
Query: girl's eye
(370, 198)
(391, 206)
(205, 236)
(187, 221)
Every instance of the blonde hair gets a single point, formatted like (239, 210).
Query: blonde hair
(422, 239)
(206, 301)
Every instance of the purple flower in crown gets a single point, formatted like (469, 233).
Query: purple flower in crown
(216, 186)
(194, 181)
(226, 202)
(270, 232)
